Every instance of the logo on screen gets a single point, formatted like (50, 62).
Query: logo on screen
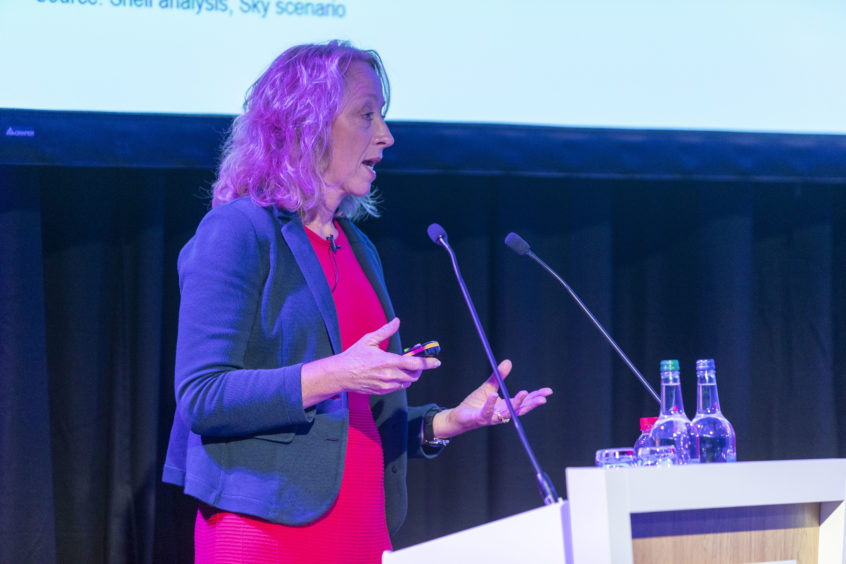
(14, 131)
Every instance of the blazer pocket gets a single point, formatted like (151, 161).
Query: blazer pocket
(282, 437)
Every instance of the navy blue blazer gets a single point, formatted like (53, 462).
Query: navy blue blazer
(255, 306)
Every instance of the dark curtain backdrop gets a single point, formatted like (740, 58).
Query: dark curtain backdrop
(750, 273)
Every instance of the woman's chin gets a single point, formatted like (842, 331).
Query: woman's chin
(359, 190)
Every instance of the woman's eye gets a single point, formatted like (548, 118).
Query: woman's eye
(368, 116)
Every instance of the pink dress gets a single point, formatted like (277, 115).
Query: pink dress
(354, 528)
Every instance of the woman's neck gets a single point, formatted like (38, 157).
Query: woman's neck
(323, 225)
(321, 218)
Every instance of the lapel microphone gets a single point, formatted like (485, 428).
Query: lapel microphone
(332, 244)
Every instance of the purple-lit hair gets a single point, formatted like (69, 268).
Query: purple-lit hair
(278, 148)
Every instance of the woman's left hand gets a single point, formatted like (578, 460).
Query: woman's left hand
(483, 407)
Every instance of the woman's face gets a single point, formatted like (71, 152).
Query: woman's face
(359, 135)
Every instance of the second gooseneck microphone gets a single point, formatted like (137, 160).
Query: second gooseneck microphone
(545, 487)
(521, 247)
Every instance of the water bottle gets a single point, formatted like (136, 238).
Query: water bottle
(646, 424)
(673, 427)
(716, 435)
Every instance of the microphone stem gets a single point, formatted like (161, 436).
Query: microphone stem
(545, 487)
(602, 330)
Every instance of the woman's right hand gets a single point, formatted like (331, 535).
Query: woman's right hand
(364, 368)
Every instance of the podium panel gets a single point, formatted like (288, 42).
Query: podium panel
(773, 533)
(539, 536)
(783, 511)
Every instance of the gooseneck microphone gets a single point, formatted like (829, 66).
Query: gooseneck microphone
(545, 487)
(521, 247)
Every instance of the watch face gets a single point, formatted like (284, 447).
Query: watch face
(437, 442)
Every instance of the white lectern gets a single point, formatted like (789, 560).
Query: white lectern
(746, 512)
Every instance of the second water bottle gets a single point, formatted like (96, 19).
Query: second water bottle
(717, 441)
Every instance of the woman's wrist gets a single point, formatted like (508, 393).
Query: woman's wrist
(318, 381)
(445, 424)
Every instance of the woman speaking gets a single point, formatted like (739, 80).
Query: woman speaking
(292, 427)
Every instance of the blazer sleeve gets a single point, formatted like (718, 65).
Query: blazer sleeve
(416, 448)
(222, 271)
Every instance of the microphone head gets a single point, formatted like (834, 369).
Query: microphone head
(517, 244)
(436, 232)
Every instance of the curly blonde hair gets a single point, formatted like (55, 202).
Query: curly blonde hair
(279, 146)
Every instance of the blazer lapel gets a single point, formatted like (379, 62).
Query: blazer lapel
(369, 265)
(295, 236)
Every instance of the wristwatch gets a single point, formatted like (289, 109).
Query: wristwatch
(429, 438)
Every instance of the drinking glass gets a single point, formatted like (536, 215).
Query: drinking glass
(664, 455)
(616, 457)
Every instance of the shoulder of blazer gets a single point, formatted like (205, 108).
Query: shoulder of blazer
(244, 208)
(357, 237)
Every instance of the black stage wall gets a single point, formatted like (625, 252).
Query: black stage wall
(685, 245)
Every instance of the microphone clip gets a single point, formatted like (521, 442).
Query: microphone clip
(333, 246)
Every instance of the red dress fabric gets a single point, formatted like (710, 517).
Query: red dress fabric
(354, 528)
